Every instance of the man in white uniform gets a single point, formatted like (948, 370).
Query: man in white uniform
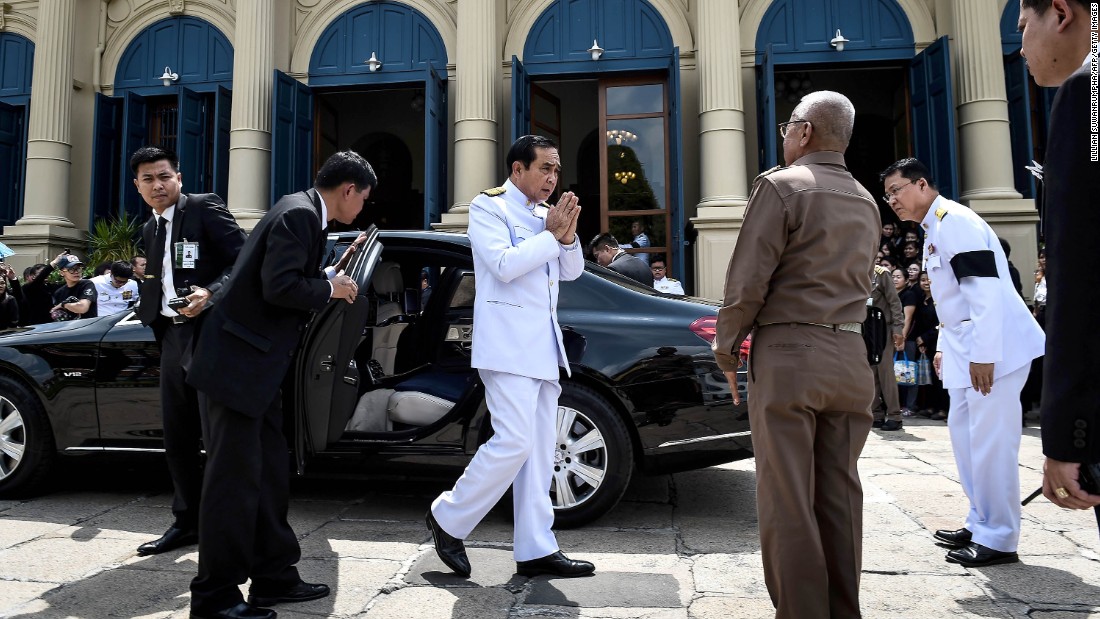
(116, 288)
(523, 249)
(661, 281)
(987, 341)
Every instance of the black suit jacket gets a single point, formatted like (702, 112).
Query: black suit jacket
(201, 218)
(1071, 376)
(251, 333)
(633, 267)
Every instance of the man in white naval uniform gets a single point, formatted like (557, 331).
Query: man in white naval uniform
(661, 282)
(523, 249)
(987, 341)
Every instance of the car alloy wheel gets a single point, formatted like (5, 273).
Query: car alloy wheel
(580, 459)
(13, 438)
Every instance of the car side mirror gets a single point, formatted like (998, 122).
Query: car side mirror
(411, 303)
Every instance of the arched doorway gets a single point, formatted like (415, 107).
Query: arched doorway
(189, 115)
(16, 66)
(616, 118)
(386, 110)
(903, 100)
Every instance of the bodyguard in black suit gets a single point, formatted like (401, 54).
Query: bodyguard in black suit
(199, 224)
(244, 351)
(1056, 46)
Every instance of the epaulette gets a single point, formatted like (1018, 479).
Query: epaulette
(545, 205)
(767, 172)
(673, 280)
(941, 212)
(494, 192)
(879, 269)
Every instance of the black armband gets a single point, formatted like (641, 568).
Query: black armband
(980, 263)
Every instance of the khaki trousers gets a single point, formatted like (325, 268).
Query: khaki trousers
(886, 386)
(809, 405)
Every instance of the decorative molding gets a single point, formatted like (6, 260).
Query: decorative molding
(176, 7)
(5, 8)
(19, 19)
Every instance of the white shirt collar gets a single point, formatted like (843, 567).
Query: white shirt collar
(168, 213)
(324, 212)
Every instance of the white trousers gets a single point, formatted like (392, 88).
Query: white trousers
(985, 436)
(524, 412)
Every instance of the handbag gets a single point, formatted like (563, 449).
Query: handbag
(924, 370)
(905, 371)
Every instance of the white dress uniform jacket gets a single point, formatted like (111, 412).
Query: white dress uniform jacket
(519, 267)
(982, 319)
(668, 285)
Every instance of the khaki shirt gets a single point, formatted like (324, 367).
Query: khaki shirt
(805, 252)
(885, 297)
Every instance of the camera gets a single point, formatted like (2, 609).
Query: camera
(178, 302)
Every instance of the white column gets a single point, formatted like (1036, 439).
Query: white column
(476, 62)
(250, 137)
(984, 140)
(723, 184)
(49, 146)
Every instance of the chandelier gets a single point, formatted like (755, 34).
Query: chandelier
(792, 86)
(618, 136)
(625, 177)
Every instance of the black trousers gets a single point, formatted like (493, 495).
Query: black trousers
(243, 528)
(181, 419)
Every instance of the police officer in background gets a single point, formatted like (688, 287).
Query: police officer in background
(988, 338)
(799, 279)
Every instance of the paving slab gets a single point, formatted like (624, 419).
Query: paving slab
(442, 603)
(491, 567)
(733, 574)
(147, 594)
(617, 589)
(366, 539)
(727, 607)
(19, 597)
(61, 560)
(15, 531)
(354, 584)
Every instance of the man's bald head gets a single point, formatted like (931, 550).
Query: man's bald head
(832, 116)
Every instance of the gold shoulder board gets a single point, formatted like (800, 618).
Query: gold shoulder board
(879, 269)
(544, 204)
(494, 192)
(941, 213)
(673, 280)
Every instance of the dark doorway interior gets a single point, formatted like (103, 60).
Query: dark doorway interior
(881, 98)
(385, 126)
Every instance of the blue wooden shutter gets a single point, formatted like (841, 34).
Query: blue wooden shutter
(1019, 123)
(109, 164)
(190, 140)
(765, 93)
(435, 151)
(291, 136)
(521, 101)
(223, 99)
(676, 167)
(135, 134)
(12, 156)
(933, 114)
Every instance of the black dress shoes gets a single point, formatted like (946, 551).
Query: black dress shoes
(172, 539)
(976, 555)
(451, 550)
(956, 539)
(300, 592)
(240, 611)
(556, 564)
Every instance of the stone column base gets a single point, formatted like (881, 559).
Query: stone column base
(718, 228)
(453, 222)
(34, 243)
(1015, 221)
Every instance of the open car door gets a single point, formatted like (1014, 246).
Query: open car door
(327, 377)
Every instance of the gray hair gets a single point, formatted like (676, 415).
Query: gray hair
(832, 116)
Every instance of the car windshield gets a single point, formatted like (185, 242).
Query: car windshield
(618, 278)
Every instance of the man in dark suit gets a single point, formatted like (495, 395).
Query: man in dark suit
(1055, 38)
(244, 351)
(607, 252)
(202, 223)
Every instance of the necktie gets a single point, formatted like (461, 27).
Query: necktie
(151, 294)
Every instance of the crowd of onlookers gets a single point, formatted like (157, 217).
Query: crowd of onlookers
(38, 298)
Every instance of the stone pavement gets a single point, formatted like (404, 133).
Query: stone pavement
(677, 546)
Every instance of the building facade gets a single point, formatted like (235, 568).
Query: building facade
(665, 109)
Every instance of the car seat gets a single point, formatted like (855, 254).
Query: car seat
(388, 287)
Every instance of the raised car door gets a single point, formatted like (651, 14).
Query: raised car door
(327, 378)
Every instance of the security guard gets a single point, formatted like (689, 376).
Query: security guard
(987, 340)
(799, 280)
(885, 297)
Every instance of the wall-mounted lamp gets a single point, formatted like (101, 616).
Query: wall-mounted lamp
(595, 50)
(838, 41)
(168, 76)
(373, 62)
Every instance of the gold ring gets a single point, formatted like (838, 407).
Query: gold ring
(1061, 493)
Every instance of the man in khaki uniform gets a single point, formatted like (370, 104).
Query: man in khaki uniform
(887, 407)
(799, 279)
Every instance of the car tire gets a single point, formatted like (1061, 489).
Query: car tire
(27, 450)
(596, 441)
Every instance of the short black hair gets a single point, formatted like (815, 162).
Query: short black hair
(523, 149)
(910, 168)
(33, 270)
(150, 154)
(1041, 6)
(134, 258)
(346, 166)
(102, 268)
(657, 258)
(604, 239)
(121, 268)
(1005, 246)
